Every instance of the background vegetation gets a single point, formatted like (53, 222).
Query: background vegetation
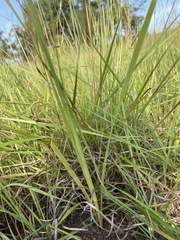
(89, 124)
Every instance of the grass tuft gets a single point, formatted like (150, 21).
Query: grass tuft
(90, 134)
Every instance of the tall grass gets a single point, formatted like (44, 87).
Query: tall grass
(91, 126)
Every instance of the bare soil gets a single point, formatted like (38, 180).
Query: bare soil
(93, 232)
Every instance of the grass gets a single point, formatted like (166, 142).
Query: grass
(91, 128)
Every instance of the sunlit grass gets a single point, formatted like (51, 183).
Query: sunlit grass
(91, 128)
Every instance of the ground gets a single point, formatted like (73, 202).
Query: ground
(93, 232)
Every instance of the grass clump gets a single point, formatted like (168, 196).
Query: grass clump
(90, 133)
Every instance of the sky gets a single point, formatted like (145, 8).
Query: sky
(163, 8)
(7, 17)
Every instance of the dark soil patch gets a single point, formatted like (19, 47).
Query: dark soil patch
(93, 232)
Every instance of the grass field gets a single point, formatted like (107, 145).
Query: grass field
(89, 139)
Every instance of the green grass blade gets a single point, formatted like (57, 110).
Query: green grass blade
(137, 50)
